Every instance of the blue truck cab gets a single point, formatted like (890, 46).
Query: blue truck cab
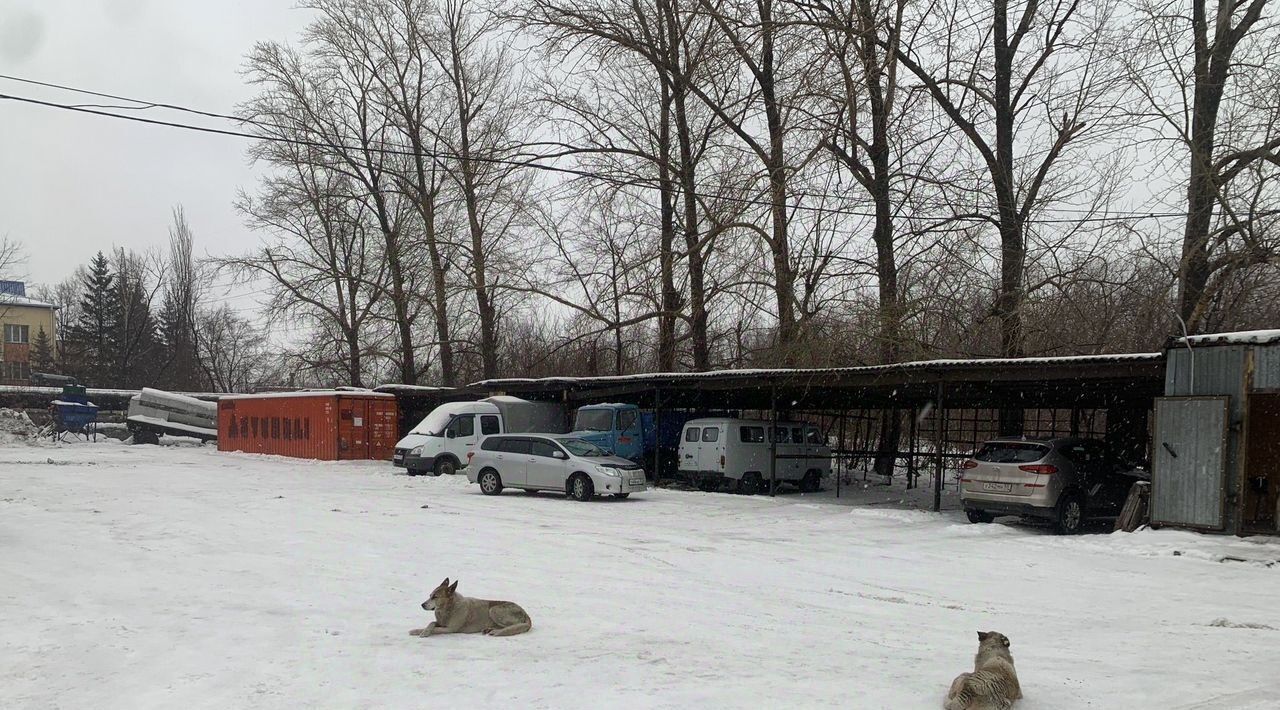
(630, 432)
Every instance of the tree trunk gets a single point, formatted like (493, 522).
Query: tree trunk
(399, 297)
(669, 299)
(439, 300)
(784, 277)
(1212, 63)
(1013, 252)
(480, 285)
(692, 236)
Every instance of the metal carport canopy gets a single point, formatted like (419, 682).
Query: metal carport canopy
(1131, 380)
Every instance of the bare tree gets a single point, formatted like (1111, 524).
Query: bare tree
(322, 267)
(392, 37)
(1209, 77)
(328, 96)
(232, 351)
(183, 289)
(653, 120)
(484, 139)
(1023, 85)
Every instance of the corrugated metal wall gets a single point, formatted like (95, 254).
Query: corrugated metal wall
(309, 425)
(1266, 367)
(1188, 455)
(1230, 370)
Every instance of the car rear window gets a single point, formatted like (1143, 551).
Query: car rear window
(693, 433)
(1011, 452)
(493, 443)
(710, 434)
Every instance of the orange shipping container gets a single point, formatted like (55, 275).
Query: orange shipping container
(327, 425)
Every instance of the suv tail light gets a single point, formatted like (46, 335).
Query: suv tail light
(1039, 468)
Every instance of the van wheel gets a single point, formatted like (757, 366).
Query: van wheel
(749, 484)
(490, 482)
(812, 482)
(978, 516)
(445, 467)
(1070, 514)
(581, 488)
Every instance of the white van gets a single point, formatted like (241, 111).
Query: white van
(718, 450)
(440, 442)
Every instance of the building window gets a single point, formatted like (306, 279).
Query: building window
(20, 334)
(15, 371)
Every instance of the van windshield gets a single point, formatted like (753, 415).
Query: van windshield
(434, 424)
(580, 447)
(594, 420)
(1011, 452)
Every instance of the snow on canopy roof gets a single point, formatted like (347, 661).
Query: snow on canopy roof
(393, 387)
(309, 393)
(1241, 337)
(992, 363)
(8, 299)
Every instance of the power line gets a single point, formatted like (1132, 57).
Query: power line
(438, 155)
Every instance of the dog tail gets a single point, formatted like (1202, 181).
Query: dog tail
(513, 629)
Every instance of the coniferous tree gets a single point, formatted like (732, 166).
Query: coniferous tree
(42, 359)
(92, 338)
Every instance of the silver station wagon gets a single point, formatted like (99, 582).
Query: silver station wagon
(535, 462)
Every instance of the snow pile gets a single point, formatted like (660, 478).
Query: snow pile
(16, 427)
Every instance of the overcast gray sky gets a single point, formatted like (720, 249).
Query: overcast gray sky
(71, 184)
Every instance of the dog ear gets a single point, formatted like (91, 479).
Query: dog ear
(445, 583)
(983, 636)
(453, 587)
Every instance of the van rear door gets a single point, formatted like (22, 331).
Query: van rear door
(690, 446)
(711, 452)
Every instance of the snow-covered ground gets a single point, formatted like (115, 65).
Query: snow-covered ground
(161, 577)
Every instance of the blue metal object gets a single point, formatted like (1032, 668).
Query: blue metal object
(74, 414)
(631, 433)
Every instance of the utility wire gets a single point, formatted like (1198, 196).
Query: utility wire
(439, 155)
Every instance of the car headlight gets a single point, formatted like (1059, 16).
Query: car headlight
(609, 471)
(415, 451)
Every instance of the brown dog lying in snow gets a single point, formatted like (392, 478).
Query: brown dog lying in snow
(993, 684)
(456, 614)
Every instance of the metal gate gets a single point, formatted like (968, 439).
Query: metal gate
(1188, 475)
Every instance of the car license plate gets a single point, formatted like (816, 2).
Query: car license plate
(998, 487)
(637, 481)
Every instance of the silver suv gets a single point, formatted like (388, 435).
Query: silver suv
(1065, 481)
(551, 463)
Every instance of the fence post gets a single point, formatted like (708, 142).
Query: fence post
(840, 455)
(940, 436)
(773, 440)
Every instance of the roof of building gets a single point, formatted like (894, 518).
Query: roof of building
(1241, 337)
(8, 299)
(1131, 379)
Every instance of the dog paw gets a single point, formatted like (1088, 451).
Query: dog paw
(487, 632)
(417, 632)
